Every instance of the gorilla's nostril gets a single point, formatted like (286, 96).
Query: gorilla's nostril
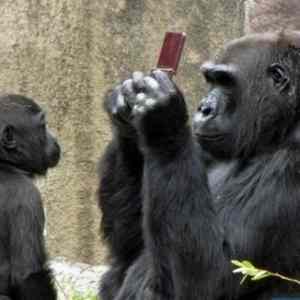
(206, 110)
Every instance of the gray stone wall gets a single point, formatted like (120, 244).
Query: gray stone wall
(270, 15)
(66, 54)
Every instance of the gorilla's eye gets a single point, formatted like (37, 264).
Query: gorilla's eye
(278, 75)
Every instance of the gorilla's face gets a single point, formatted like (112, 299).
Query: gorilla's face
(213, 122)
(251, 104)
(25, 141)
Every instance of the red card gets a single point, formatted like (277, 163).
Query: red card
(171, 51)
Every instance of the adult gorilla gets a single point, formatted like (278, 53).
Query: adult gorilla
(234, 197)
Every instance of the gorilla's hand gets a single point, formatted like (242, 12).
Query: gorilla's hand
(118, 105)
(159, 111)
(150, 105)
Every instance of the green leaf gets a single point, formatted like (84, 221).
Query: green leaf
(248, 264)
(239, 270)
(237, 263)
(243, 279)
(260, 275)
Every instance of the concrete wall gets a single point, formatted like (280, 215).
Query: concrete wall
(270, 15)
(65, 54)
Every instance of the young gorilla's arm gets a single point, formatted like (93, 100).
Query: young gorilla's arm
(181, 229)
(30, 276)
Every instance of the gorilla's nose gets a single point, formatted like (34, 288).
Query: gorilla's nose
(207, 110)
(208, 107)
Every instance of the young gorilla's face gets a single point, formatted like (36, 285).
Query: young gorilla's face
(45, 140)
(26, 142)
(251, 102)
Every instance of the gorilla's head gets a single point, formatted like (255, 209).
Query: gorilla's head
(25, 141)
(253, 101)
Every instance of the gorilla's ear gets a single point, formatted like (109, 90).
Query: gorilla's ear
(279, 76)
(8, 137)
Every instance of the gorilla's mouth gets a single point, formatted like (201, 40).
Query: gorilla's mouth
(209, 136)
(218, 145)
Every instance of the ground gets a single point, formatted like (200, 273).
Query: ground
(76, 281)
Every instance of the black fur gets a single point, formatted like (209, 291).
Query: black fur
(26, 149)
(178, 205)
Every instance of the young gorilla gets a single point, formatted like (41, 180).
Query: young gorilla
(26, 149)
(229, 190)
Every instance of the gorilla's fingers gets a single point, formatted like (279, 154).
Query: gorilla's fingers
(151, 83)
(150, 102)
(110, 100)
(153, 89)
(138, 81)
(166, 84)
(140, 97)
(129, 92)
(127, 87)
(120, 103)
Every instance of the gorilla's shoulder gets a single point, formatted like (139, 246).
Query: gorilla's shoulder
(17, 188)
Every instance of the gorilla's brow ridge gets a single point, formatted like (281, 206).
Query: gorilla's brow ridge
(281, 39)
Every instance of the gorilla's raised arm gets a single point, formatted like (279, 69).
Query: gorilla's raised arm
(119, 194)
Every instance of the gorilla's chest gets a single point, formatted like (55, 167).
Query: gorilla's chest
(248, 201)
(217, 175)
(234, 187)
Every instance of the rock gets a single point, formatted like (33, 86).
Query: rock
(76, 278)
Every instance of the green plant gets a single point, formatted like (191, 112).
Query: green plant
(247, 269)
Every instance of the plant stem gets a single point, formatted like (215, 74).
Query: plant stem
(285, 278)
